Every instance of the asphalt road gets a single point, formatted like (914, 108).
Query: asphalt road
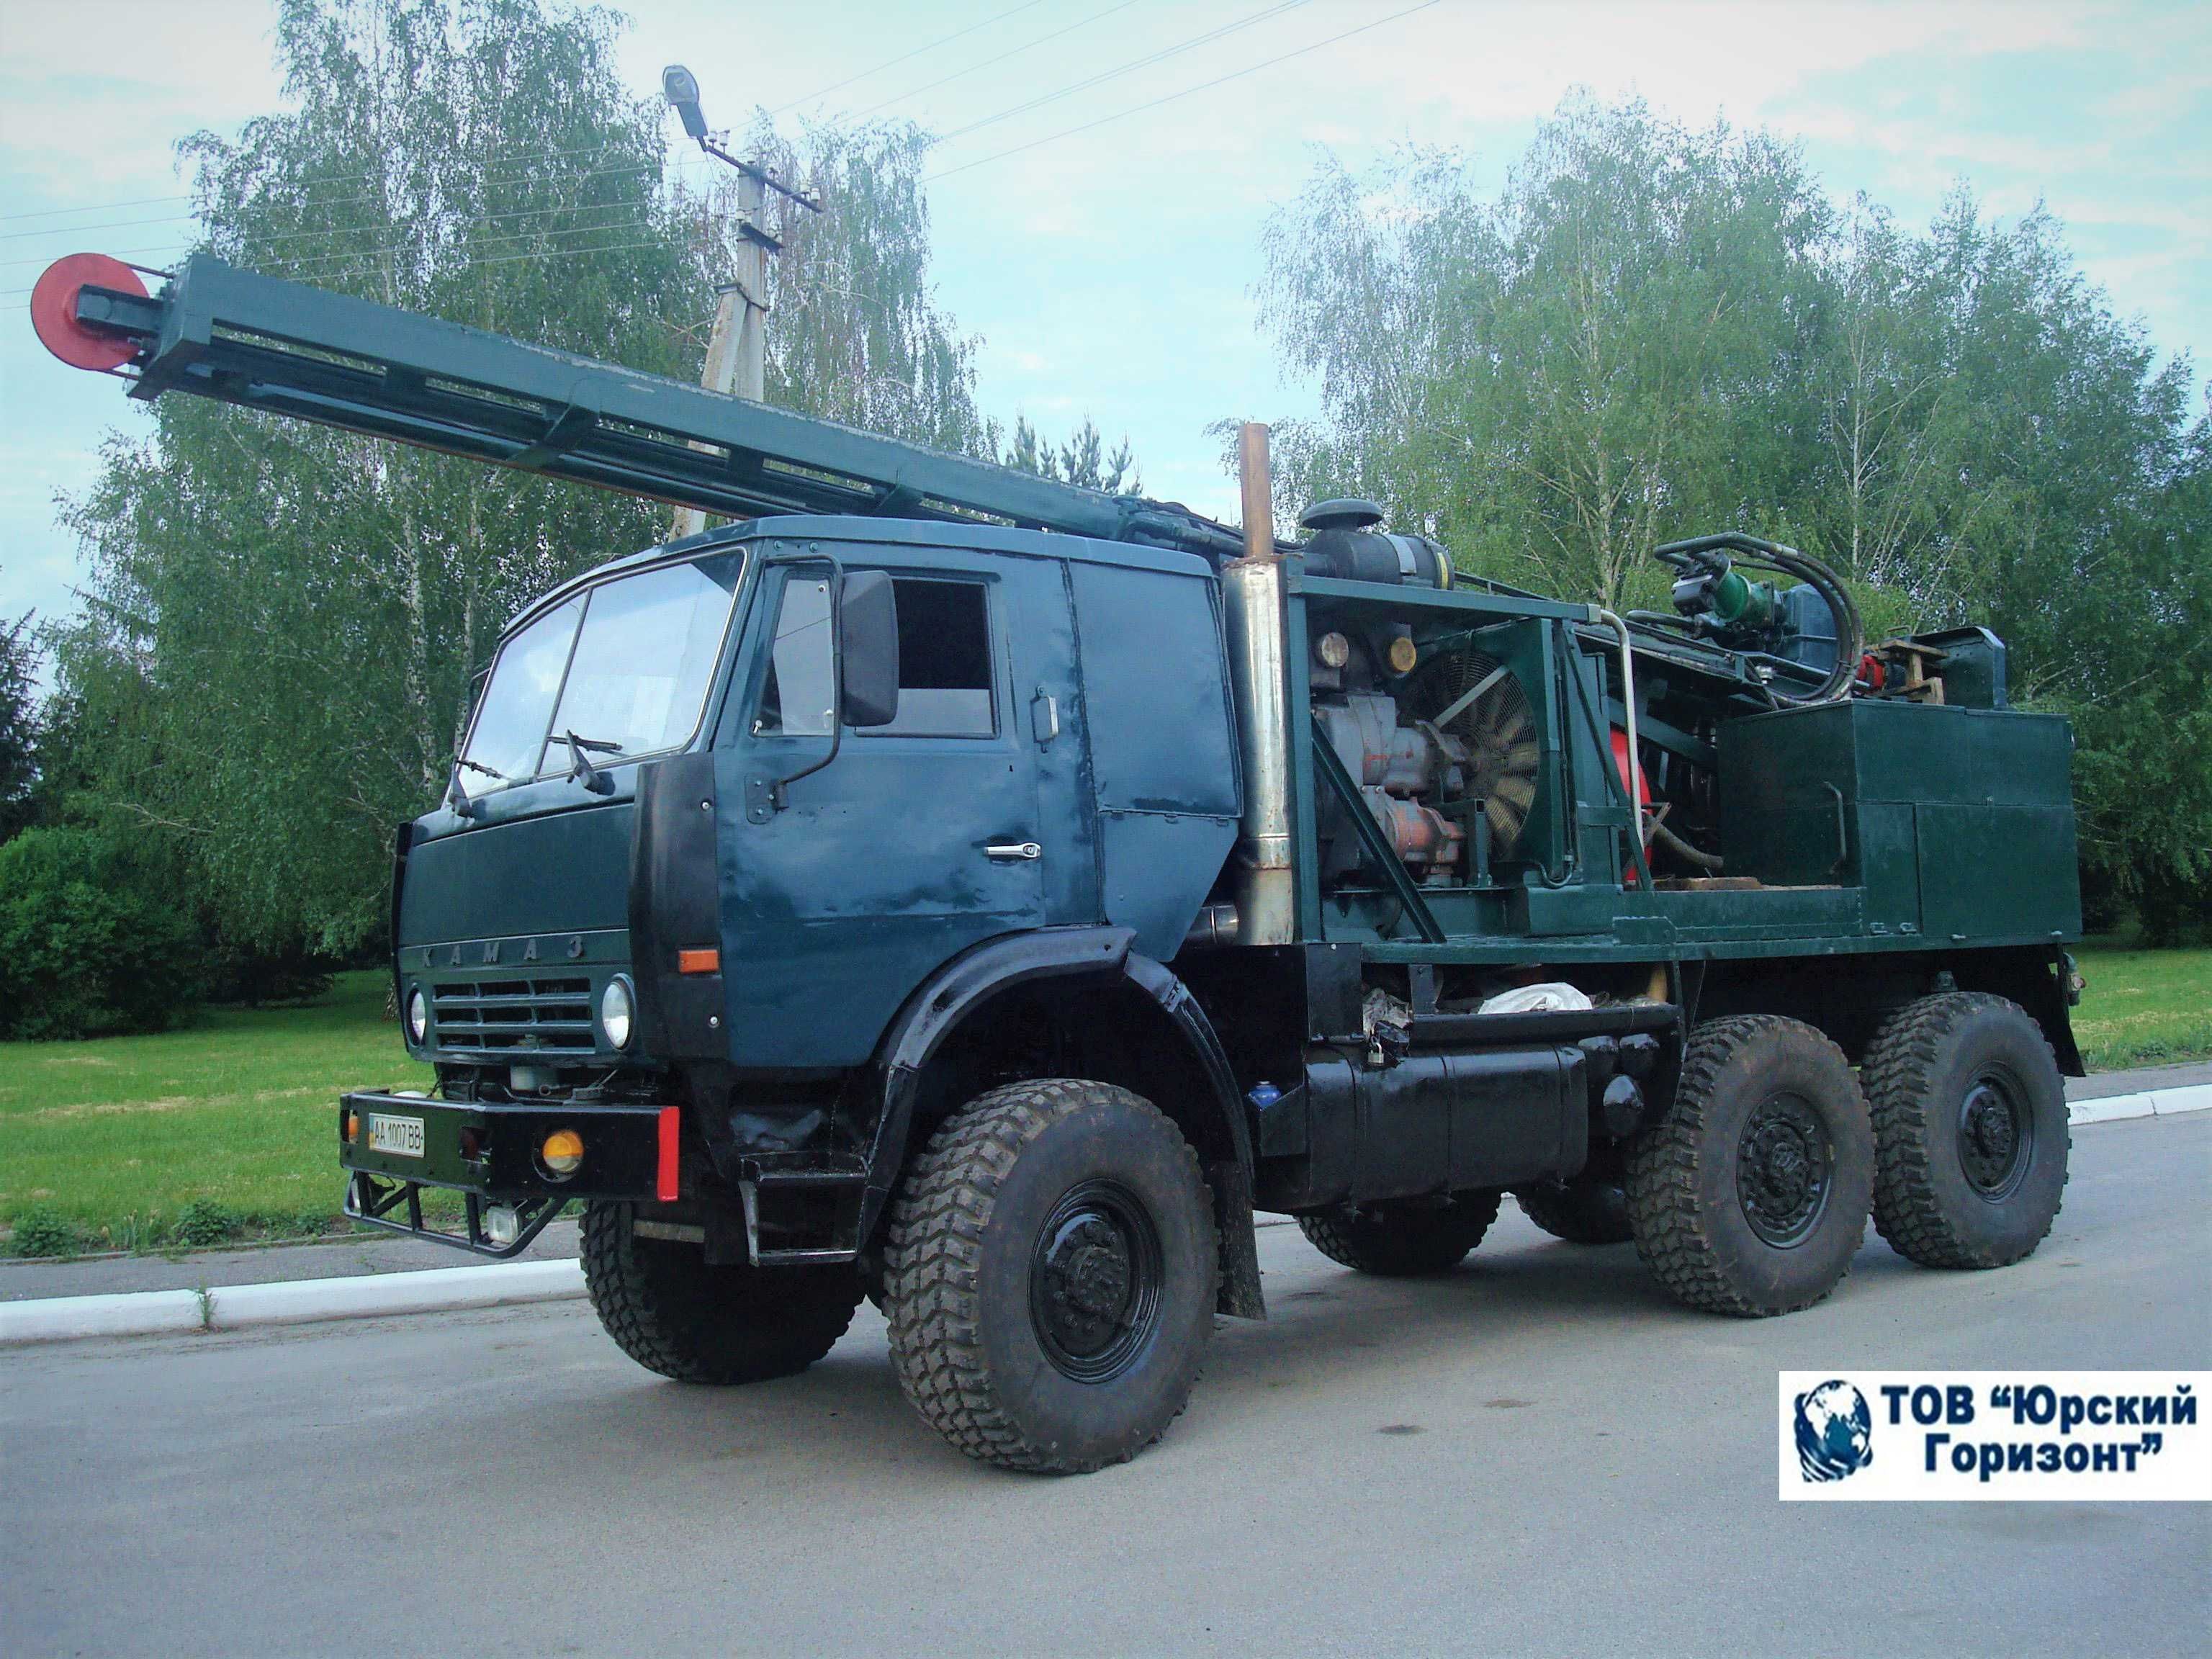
(1537, 1454)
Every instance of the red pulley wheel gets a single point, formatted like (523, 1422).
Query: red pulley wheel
(53, 310)
(1620, 765)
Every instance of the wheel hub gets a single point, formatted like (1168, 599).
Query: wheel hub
(1784, 1163)
(1087, 1270)
(1095, 1280)
(1994, 1137)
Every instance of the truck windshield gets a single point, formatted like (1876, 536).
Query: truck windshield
(624, 665)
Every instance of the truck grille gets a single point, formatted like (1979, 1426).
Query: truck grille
(504, 1014)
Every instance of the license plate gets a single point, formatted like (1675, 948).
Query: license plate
(401, 1136)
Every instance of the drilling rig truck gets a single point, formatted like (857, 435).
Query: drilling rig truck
(955, 888)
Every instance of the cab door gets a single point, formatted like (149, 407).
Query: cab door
(918, 838)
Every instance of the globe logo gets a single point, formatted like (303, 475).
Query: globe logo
(1835, 1432)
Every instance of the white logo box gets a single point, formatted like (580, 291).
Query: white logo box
(1848, 1436)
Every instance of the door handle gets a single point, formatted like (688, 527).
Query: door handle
(1044, 716)
(1013, 849)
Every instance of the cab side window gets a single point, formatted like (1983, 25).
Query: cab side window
(798, 697)
(945, 661)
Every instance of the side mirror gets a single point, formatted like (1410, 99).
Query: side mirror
(868, 662)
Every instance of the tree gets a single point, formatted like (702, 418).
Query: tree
(91, 937)
(18, 725)
(283, 620)
(1081, 460)
(1550, 381)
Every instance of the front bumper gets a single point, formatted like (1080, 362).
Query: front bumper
(488, 1152)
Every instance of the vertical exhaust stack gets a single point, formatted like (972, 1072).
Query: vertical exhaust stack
(1252, 604)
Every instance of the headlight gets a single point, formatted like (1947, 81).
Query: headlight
(616, 1010)
(418, 1016)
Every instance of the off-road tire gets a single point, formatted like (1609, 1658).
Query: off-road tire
(1402, 1241)
(1920, 1074)
(1690, 1200)
(1580, 1212)
(966, 1271)
(670, 1312)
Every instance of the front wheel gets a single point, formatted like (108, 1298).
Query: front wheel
(1049, 1276)
(672, 1313)
(1970, 1127)
(1750, 1196)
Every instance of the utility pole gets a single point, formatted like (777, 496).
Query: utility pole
(737, 352)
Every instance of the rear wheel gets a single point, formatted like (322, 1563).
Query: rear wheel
(1970, 1130)
(1750, 1196)
(1398, 1240)
(670, 1312)
(1580, 1212)
(1049, 1276)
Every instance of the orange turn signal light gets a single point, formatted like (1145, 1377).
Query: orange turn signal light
(353, 1126)
(563, 1153)
(699, 961)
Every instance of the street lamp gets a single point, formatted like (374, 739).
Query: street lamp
(681, 88)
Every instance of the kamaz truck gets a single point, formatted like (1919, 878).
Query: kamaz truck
(953, 887)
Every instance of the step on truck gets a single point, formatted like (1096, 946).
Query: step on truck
(953, 887)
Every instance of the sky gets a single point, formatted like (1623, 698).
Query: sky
(1105, 243)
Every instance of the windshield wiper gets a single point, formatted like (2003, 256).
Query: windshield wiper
(457, 798)
(580, 751)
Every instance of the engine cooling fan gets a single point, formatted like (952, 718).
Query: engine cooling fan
(1476, 699)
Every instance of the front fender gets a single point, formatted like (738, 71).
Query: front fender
(937, 1008)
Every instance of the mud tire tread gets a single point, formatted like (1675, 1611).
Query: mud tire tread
(1673, 1234)
(933, 1248)
(1565, 1213)
(670, 1312)
(1403, 1244)
(1896, 1078)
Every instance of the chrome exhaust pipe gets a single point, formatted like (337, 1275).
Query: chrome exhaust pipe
(1252, 608)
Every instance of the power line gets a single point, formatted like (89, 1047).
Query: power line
(875, 300)
(494, 180)
(893, 62)
(1135, 64)
(504, 258)
(273, 239)
(70, 230)
(524, 155)
(1146, 61)
(525, 158)
(323, 263)
(946, 80)
(1204, 86)
(103, 207)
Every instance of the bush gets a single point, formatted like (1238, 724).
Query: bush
(90, 941)
(40, 1231)
(204, 1221)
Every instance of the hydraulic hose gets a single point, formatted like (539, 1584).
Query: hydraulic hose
(1682, 849)
(1762, 555)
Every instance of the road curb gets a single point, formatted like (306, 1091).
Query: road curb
(68, 1318)
(442, 1289)
(299, 1302)
(2151, 1103)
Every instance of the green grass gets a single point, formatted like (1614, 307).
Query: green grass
(116, 1137)
(2144, 1008)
